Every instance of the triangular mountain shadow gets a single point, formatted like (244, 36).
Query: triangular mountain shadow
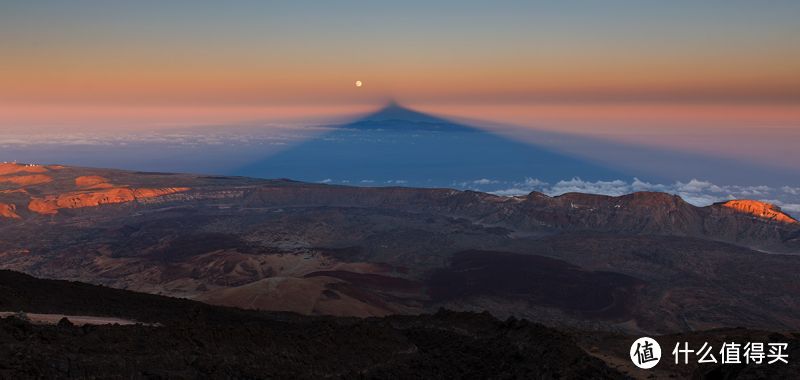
(394, 111)
(394, 116)
(398, 145)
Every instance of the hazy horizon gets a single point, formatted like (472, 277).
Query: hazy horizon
(665, 93)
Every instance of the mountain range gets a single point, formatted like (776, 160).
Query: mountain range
(643, 262)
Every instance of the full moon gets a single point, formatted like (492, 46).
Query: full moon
(358, 83)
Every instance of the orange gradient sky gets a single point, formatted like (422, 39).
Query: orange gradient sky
(625, 68)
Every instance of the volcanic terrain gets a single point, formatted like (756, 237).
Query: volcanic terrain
(638, 263)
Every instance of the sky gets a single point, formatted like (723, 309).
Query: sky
(237, 53)
(717, 78)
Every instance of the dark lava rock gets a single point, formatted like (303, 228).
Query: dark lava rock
(195, 340)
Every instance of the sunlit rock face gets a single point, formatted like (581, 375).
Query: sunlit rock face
(8, 211)
(15, 168)
(52, 203)
(26, 180)
(761, 210)
(92, 182)
(48, 189)
(23, 175)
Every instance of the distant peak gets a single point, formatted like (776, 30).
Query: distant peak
(395, 111)
(396, 117)
(759, 209)
(393, 103)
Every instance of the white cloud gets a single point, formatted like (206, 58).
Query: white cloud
(639, 185)
(514, 191)
(616, 187)
(791, 190)
(754, 190)
(790, 207)
(535, 182)
(700, 199)
(786, 207)
(697, 186)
